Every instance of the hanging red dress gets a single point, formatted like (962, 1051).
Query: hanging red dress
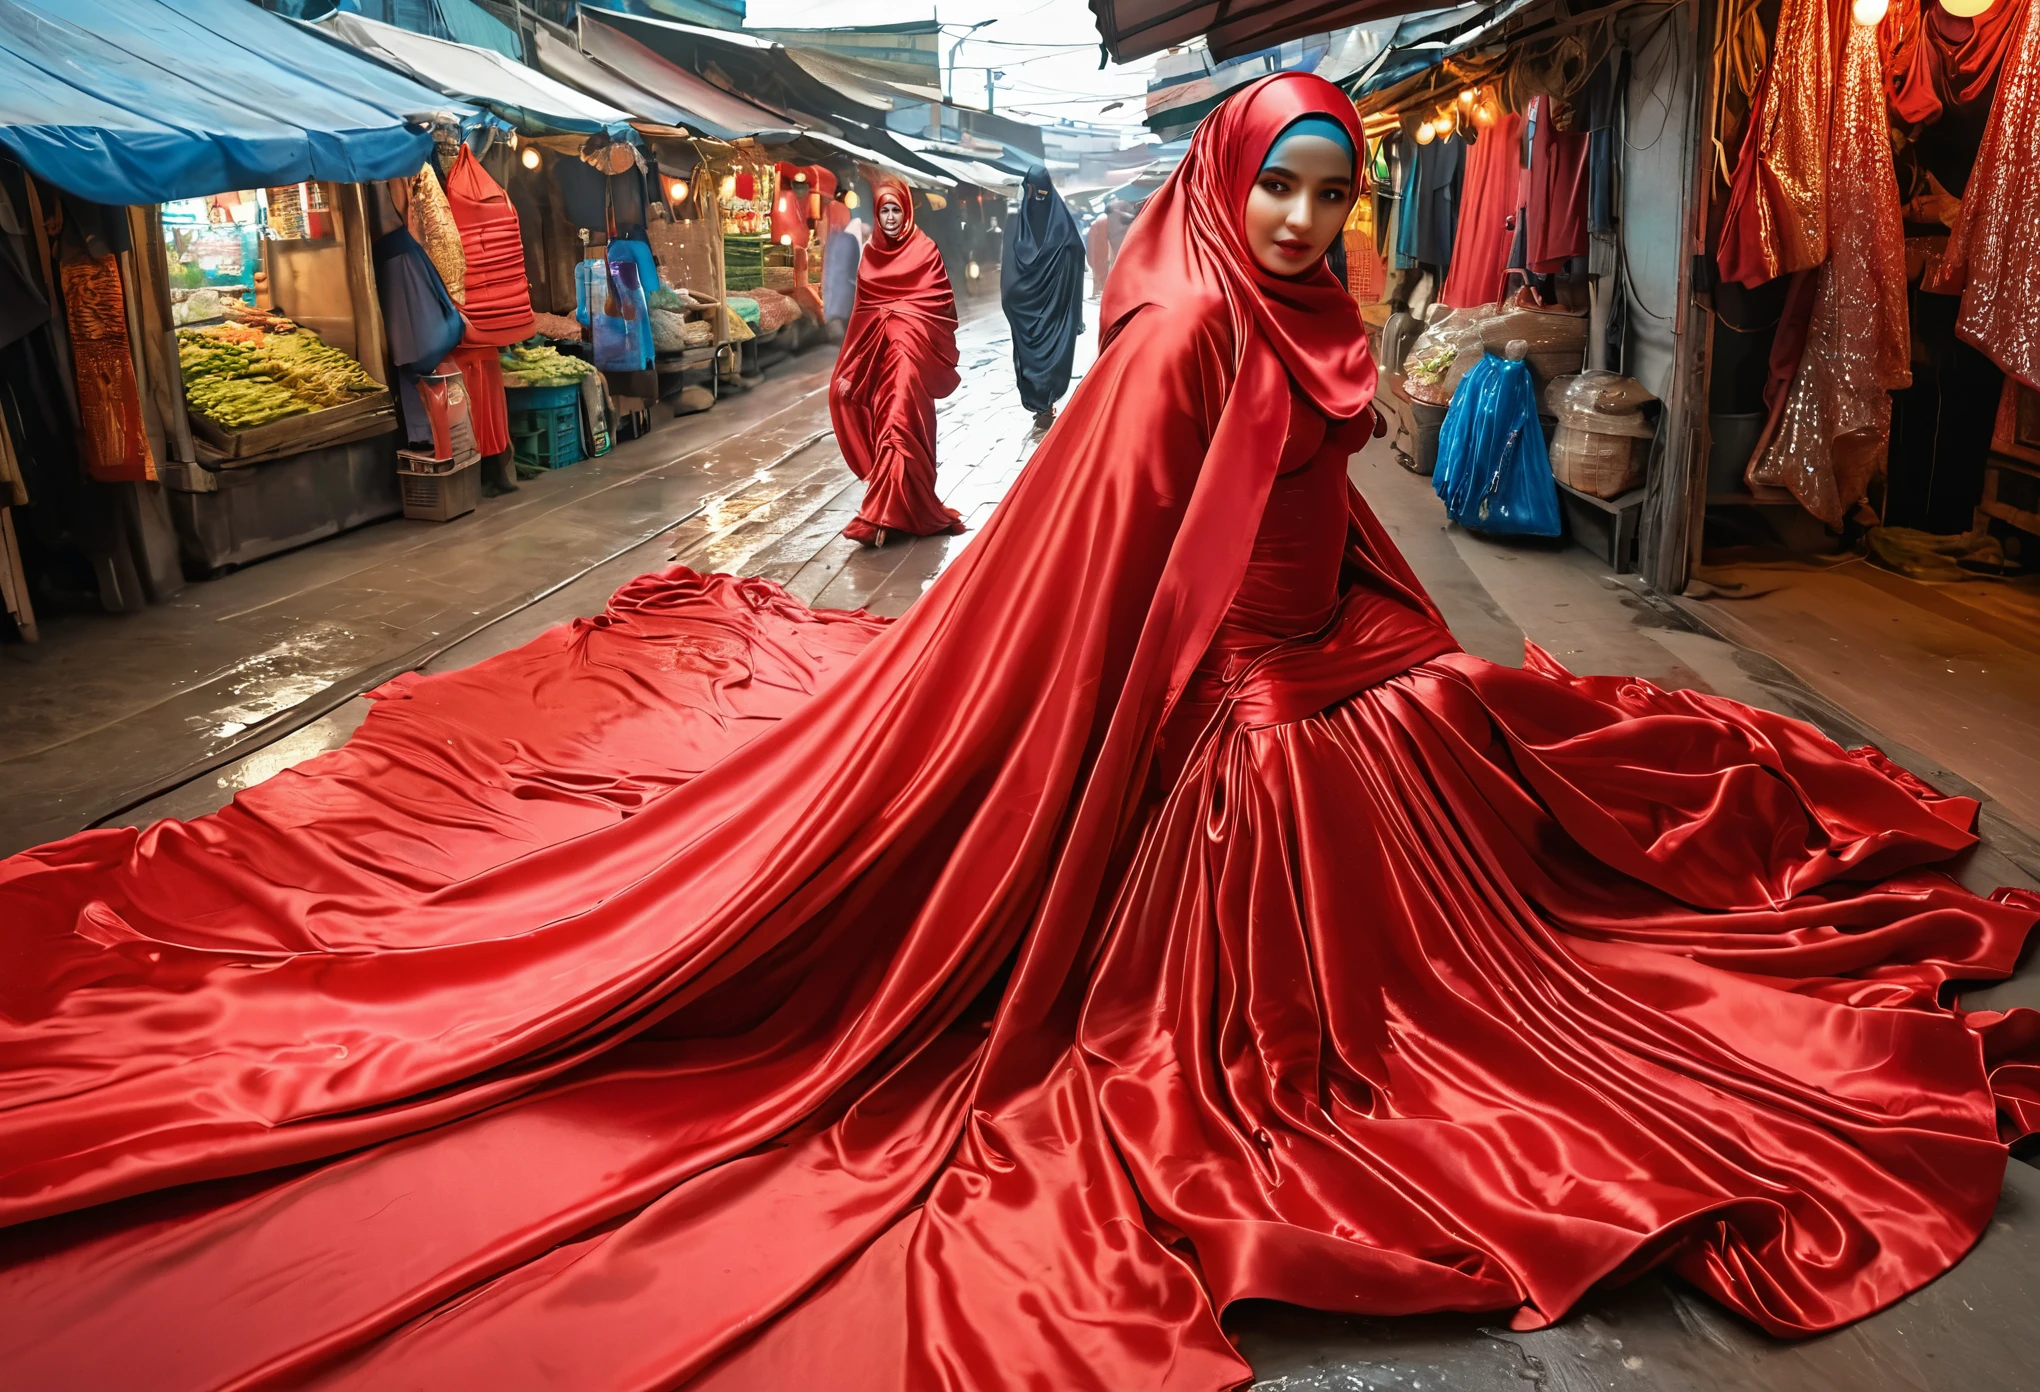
(897, 360)
(1835, 427)
(719, 994)
(497, 306)
(1480, 252)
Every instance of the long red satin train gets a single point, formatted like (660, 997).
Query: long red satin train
(897, 360)
(716, 993)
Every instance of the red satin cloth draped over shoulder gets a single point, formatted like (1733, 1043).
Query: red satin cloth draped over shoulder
(897, 360)
(720, 994)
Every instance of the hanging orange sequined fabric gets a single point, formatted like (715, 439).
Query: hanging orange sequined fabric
(111, 437)
(1836, 428)
(1777, 208)
(1997, 244)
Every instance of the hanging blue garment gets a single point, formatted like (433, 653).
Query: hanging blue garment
(1493, 473)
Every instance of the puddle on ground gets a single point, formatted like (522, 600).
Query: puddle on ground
(281, 676)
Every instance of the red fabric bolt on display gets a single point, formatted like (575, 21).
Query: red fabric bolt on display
(719, 994)
(498, 303)
(897, 360)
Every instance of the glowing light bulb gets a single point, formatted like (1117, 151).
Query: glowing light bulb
(1868, 12)
(675, 190)
(1425, 133)
(850, 199)
(973, 270)
(1967, 9)
(729, 186)
(786, 239)
(1466, 98)
(530, 157)
(1443, 124)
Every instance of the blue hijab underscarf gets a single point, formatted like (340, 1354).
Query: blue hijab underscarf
(1322, 126)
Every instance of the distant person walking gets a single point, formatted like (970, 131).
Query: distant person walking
(898, 359)
(1041, 285)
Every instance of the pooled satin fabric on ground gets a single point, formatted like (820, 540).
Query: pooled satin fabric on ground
(897, 360)
(719, 994)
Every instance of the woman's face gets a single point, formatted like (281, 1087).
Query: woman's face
(891, 217)
(1298, 203)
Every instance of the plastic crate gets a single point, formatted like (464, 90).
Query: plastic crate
(441, 497)
(547, 439)
(542, 398)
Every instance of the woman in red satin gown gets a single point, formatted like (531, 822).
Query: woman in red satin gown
(721, 994)
(897, 360)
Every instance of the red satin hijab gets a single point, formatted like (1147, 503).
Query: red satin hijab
(903, 272)
(1190, 242)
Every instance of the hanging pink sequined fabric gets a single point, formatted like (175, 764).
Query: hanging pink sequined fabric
(1997, 244)
(1837, 422)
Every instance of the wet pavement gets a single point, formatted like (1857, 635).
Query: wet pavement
(170, 712)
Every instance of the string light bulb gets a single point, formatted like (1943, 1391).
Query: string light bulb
(1425, 133)
(1466, 98)
(1484, 115)
(675, 190)
(1868, 12)
(786, 239)
(850, 199)
(1967, 9)
(1442, 123)
(530, 157)
(973, 270)
(728, 188)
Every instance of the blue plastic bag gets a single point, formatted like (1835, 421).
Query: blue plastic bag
(1493, 473)
(623, 338)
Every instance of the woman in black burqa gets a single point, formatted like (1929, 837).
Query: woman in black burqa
(1041, 284)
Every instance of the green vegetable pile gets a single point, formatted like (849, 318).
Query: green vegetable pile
(239, 377)
(527, 365)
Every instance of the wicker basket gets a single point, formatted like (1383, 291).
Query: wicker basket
(1605, 466)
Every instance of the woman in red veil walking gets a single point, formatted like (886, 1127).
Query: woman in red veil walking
(719, 994)
(898, 359)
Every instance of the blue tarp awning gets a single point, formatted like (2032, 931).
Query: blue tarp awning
(165, 99)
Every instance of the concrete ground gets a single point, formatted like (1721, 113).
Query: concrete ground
(170, 712)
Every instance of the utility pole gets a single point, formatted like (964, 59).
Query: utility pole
(950, 92)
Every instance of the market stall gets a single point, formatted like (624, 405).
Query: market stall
(203, 377)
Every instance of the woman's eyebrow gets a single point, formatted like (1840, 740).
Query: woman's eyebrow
(1283, 170)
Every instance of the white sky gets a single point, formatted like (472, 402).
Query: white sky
(1047, 49)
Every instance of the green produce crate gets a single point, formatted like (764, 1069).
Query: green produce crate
(549, 438)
